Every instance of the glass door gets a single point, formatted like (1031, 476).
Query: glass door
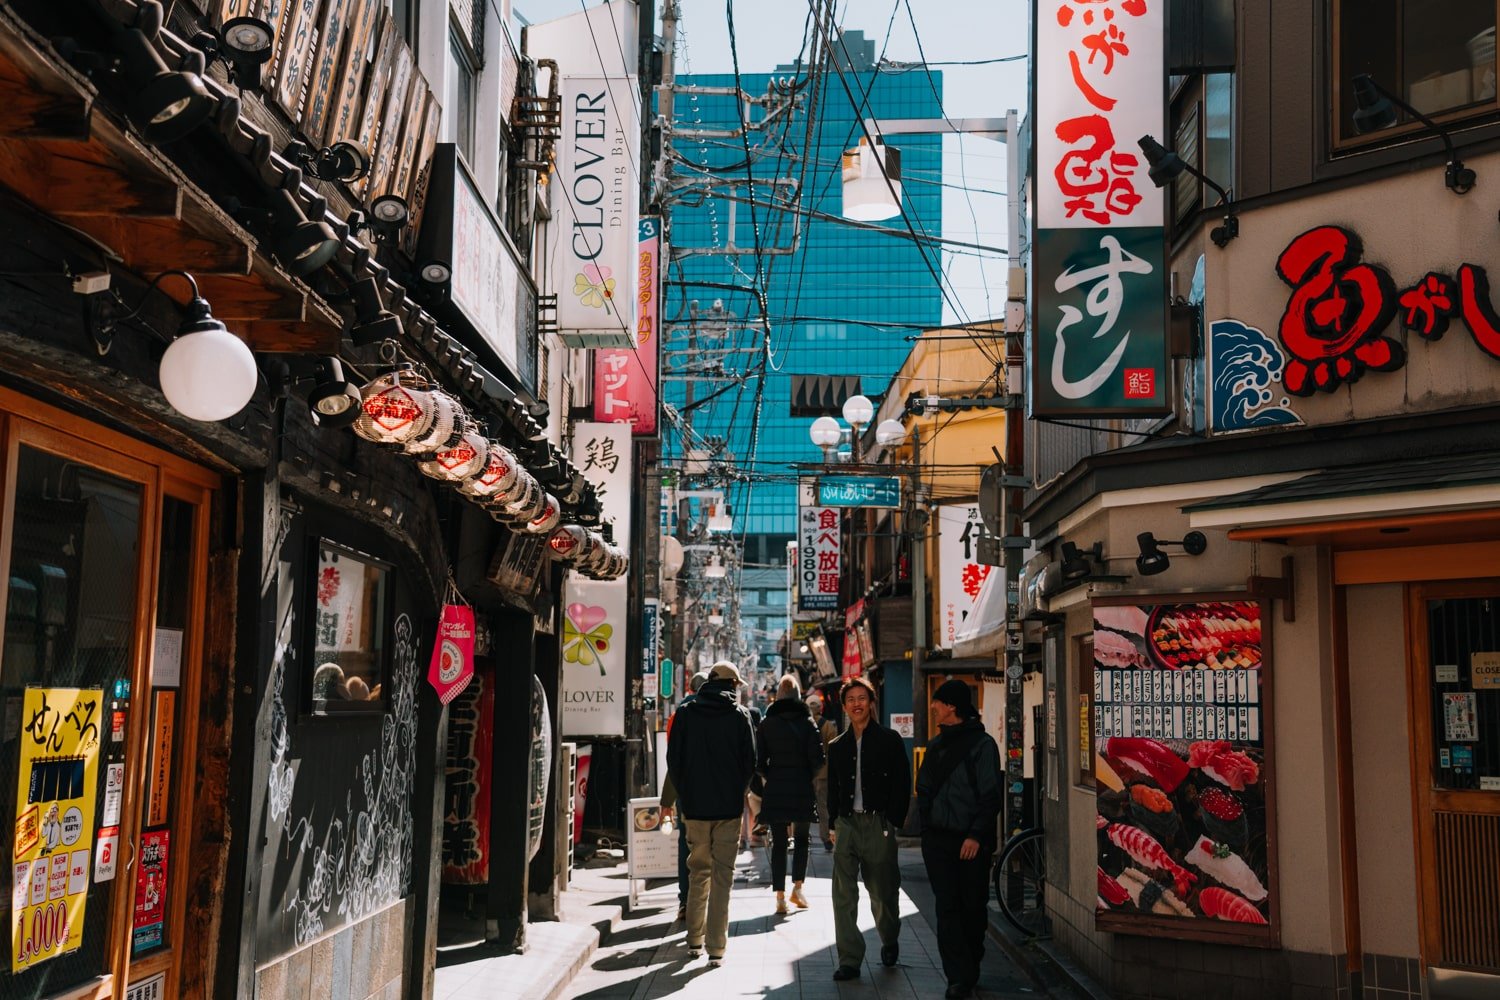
(76, 531)
(1456, 711)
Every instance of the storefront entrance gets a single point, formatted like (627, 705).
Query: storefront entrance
(103, 544)
(1455, 709)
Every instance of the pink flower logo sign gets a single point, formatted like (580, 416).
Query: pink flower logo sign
(586, 635)
(594, 286)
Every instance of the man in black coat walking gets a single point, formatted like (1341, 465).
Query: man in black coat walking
(958, 796)
(869, 791)
(710, 757)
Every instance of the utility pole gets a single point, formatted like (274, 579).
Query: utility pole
(918, 596)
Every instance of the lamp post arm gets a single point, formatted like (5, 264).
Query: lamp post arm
(1442, 133)
(1223, 195)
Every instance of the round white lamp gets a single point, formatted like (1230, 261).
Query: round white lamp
(889, 432)
(207, 373)
(872, 182)
(858, 411)
(824, 432)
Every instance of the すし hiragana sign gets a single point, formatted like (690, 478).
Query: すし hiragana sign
(1099, 258)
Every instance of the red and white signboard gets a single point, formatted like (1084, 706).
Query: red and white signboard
(625, 379)
(818, 554)
(960, 574)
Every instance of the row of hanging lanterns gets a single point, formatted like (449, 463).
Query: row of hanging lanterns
(404, 410)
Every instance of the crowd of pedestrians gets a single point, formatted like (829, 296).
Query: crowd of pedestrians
(857, 786)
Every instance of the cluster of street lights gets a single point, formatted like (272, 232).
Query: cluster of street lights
(827, 434)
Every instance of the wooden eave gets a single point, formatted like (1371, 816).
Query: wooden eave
(77, 164)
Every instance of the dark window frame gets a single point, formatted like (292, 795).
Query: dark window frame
(310, 711)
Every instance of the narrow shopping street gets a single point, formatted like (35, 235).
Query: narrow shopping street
(786, 957)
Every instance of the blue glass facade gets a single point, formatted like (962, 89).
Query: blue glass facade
(819, 299)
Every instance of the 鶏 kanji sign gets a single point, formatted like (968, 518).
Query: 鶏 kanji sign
(1099, 260)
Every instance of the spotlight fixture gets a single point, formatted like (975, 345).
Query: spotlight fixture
(207, 373)
(1166, 166)
(373, 322)
(166, 104)
(1153, 560)
(343, 161)
(334, 400)
(303, 246)
(1375, 109)
(1076, 563)
(435, 272)
(245, 44)
(387, 218)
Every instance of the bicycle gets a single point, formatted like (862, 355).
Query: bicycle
(1020, 880)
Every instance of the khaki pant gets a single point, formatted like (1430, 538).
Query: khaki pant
(712, 847)
(866, 846)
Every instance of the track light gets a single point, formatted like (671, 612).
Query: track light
(343, 161)
(301, 245)
(334, 400)
(1076, 564)
(436, 272)
(373, 322)
(245, 44)
(166, 104)
(1166, 166)
(388, 217)
(1375, 109)
(1153, 560)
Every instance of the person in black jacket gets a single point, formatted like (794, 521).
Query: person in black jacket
(791, 751)
(710, 757)
(958, 797)
(869, 790)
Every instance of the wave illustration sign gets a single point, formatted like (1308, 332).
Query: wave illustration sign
(1247, 368)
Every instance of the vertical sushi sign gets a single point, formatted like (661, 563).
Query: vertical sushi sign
(1185, 822)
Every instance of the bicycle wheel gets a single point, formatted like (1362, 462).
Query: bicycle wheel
(1021, 882)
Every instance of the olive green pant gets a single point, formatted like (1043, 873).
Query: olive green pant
(866, 846)
(712, 847)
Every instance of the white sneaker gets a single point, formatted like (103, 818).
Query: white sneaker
(694, 949)
(714, 961)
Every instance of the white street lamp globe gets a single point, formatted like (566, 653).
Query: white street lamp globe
(824, 432)
(858, 411)
(208, 375)
(889, 432)
(872, 182)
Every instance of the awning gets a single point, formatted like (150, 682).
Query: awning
(822, 395)
(1441, 488)
(983, 632)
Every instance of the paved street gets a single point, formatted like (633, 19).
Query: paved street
(785, 957)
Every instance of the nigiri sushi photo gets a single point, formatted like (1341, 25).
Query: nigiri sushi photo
(1222, 865)
(1151, 896)
(1225, 905)
(1144, 850)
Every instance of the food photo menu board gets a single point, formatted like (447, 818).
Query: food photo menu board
(1181, 733)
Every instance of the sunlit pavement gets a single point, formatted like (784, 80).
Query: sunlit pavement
(789, 956)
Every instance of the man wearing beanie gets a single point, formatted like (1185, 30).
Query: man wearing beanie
(958, 797)
(710, 757)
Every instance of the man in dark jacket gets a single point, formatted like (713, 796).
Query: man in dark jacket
(669, 802)
(710, 757)
(958, 796)
(869, 790)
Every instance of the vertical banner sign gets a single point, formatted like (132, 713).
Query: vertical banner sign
(466, 797)
(56, 784)
(818, 546)
(650, 644)
(853, 660)
(594, 613)
(596, 206)
(625, 378)
(150, 892)
(1180, 721)
(960, 573)
(1099, 295)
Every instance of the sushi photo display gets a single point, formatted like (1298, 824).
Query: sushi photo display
(1180, 764)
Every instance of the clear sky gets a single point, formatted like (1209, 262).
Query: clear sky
(769, 32)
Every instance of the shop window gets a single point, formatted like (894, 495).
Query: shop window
(463, 87)
(1440, 59)
(351, 598)
(1464, 642)
(1203, 135)
(1083, 669)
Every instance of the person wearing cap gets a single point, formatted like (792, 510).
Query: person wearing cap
(669, 801)
(869, 791)
(710, 758)
(958, 799)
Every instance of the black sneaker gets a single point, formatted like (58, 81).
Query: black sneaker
(844, 972)
(958, 991)
(889, 954)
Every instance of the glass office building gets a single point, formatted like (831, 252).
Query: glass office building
(826, 302)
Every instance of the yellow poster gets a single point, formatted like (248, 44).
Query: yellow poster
(58, 779)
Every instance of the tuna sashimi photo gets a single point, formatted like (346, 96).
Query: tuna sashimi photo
(1220, 761)
(1151, 758)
